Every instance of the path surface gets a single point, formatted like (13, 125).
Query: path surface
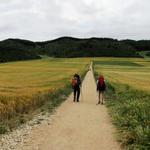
(76, 126)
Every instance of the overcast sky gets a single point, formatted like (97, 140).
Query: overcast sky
(41, 20)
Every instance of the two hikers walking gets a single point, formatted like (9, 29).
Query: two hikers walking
(101, 87)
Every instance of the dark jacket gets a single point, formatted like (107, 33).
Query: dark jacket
(78, 81)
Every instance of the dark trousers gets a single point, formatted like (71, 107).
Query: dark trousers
(76, 94)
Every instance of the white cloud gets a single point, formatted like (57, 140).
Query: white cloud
(48, 19)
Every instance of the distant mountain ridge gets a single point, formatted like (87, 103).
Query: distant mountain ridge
(18, 49)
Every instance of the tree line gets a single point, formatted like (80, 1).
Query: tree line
(18, 49)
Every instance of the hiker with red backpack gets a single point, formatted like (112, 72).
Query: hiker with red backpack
(101, 87)
(76, 82)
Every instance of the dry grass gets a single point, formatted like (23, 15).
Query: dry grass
(30, 77)
(21, 82)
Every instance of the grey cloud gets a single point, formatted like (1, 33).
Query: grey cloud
(48, 19)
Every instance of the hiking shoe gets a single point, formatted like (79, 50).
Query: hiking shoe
(98, 103)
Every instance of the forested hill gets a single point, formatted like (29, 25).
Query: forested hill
(93, 47)
(17, 49)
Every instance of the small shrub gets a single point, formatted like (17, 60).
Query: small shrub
(3, 129)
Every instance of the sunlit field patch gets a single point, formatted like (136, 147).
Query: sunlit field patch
(134, 72)
(22, 83)
(30, 77)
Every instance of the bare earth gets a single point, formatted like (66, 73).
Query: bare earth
(76, 126)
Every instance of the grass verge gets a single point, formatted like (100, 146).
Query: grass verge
(130, 112)
(129, 109)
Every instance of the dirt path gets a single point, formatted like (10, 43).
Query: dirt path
(76, 126)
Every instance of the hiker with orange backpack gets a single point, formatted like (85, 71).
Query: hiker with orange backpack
(76, 82)
(101, 87)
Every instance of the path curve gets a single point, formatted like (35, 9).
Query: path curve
(76, 126)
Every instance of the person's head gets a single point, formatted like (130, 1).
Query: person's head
(76, 75)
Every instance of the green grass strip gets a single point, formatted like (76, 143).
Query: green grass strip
(130, 112)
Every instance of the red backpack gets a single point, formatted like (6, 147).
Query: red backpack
(101, 83)
(74, 82)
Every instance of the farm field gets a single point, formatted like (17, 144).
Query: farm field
(30, 77)
(131, 71)
(128, 96)
(22, 82)
(27, 85)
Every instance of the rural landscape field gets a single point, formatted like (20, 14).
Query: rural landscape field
(129, 82)
(29, 77)
(134, 72)
(74, 75)
(24, 83)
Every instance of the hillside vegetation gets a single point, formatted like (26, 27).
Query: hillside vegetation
(93, 47)
(141, 45)
(17, 49)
